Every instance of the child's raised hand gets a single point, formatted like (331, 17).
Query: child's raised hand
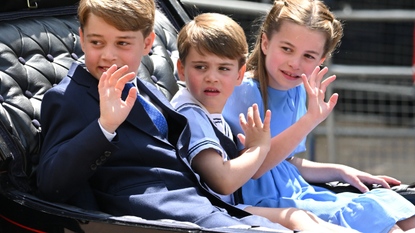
(316, 90)
(257, 134)
(113, 109)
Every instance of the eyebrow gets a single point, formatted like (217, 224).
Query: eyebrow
(120, 37)
(222, 63)
(307, 51)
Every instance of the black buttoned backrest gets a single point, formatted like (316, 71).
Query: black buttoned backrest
(35, 54)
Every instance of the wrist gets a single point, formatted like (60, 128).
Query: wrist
(260, 150)
(107, 127)
(310, 120)
(340, 171)
(264, 149)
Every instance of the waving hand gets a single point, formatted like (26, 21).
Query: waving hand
(113, 109)
(316, 90)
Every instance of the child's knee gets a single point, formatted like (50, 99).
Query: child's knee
(303, 214)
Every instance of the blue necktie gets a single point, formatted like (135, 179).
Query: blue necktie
(155, 115)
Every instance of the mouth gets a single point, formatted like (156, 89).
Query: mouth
(103, 68)
(106, 68)
(209, 90)
(290, 74)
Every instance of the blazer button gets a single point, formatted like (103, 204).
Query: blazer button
(107, 153)
(93, 167)
(103, 158)
(98, 162)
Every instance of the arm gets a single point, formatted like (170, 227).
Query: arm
(283, 144)
(73, 142)
(226, 177)
(315, 172)
(67, 159)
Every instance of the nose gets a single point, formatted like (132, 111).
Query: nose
(109, 53)
(294, 62)
(210, 76)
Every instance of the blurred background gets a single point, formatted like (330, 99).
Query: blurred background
(372, 127)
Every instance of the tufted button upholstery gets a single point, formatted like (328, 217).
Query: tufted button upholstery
(27, 72)
(159, 66)
(36, 53)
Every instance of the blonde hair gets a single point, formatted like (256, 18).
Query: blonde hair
(213, 33)
(125, 15)
(312, 14)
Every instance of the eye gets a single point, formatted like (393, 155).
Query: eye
(286, 49)
(123, 43)
(96, 42)
(309, 56)
(224, 68)
(200, 67)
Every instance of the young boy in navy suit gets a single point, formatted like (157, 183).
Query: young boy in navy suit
(101, 148)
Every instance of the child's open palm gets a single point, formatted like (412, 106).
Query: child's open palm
(257, 134)
(316, 90)
(113, 109)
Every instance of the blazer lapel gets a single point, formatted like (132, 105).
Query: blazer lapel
(154, 94)
(140, 119)
(158, 97)
(81, 76)
(177, 123)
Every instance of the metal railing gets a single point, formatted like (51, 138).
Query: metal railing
(257, 8)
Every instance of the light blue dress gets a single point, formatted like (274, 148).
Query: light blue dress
(283, 186)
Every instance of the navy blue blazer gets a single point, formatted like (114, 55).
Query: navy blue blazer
(139, 173)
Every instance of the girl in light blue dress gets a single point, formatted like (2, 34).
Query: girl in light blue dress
(295, 39)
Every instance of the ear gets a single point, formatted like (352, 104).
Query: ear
(148, 42)
(241, 74)
(180, 70)
(81, 36)
(264, 43)
(321, 61)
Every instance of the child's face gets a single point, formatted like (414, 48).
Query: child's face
(209, 78)
(105, 45)
(292, 51)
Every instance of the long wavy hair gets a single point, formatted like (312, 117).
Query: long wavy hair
(312, 14)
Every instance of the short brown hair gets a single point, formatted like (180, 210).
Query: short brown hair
(213, 33)
(125, 15)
